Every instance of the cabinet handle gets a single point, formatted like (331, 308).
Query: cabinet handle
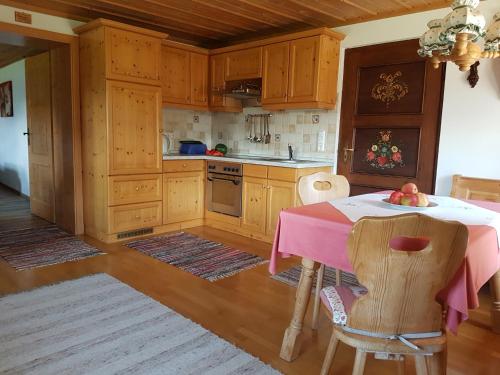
(137, 188)
(184, 165)
(137, 216)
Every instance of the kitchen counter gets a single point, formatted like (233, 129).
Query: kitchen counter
(252, 159)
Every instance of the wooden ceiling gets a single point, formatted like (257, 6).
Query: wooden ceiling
(215, 23)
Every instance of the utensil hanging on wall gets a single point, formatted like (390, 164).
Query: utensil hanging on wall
(268, 135)
(254, 132)
(250, 123)
(259, 138)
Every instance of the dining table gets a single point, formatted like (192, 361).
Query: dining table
(318, 233)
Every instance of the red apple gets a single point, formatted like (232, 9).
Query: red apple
(422, 200)
(395, 197)
(409, 200)
(409, 188)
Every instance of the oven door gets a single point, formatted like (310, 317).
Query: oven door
(224, 194)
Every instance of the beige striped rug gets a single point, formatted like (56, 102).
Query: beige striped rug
(99, 325)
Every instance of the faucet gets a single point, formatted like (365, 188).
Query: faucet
(290, 152)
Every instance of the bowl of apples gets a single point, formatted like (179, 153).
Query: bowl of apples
(409, 199)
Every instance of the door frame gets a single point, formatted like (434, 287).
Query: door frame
(72, 41)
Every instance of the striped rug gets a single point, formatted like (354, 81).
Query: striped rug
(198, 256)
(38, 247)
(292, 276)
(98, 325)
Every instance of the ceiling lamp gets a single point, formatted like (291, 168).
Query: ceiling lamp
(454, 38)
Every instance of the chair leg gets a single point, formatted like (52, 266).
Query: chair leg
(319, 286)
(359, 362)
(330, 353)
(434, 364)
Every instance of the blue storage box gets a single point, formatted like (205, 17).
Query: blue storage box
(193, 149)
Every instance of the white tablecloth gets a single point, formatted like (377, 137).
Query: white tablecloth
(447, 208)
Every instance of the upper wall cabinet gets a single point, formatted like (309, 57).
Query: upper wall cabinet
(301, 73)
(132, 57)
(184, 77)
(219, 102)
(244, 64)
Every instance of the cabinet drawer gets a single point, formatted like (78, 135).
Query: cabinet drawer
(134, 189)
(254, 170)
(134, 216)
(183, 165)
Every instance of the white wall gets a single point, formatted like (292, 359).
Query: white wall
(470, 125)
(13, 144)
(40, 20)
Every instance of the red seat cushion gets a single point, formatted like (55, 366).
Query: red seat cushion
(339, 300)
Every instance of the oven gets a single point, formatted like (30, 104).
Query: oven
(224, 187)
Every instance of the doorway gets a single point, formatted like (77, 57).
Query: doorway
(390, 118)
(53, 123)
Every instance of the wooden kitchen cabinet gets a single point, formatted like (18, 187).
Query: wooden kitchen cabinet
(132, 56)
(175, 75)
(254, 203)
(275, 73)
(243, 64)
(184, 76)
(304, 70)
(183, 196)
(219, 102)
(134, 120)
(121, 110)
(280, 195)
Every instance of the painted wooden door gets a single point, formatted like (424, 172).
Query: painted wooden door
(280, 195)
(134, 116)
(275, 73)
(175, 75)
(390, 118)
(254, 202)
(304, 70)
(182, 196)
(199, 79)
(39, 113)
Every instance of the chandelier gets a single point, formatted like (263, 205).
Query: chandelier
(454, 38)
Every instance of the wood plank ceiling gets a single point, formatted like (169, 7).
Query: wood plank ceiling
(215, 23)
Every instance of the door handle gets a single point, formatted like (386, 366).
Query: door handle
(27, 133)
(346, 153)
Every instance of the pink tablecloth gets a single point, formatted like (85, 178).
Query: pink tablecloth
(319, 232)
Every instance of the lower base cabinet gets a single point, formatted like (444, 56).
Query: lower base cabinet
(183, 196)
(263, 201)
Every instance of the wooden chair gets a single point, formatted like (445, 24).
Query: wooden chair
(316, 188)
(403, 261)
(481, 189)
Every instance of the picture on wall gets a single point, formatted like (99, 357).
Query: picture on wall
(6, 103)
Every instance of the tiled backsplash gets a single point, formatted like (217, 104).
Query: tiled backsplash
(294, 127)
(180, 124)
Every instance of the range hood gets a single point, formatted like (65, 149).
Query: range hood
(245, 89)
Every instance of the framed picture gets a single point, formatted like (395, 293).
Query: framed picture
(6, 103)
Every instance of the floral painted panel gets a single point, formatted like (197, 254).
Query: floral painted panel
(386, 151)
(391, 89)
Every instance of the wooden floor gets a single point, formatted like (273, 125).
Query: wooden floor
(249, 309)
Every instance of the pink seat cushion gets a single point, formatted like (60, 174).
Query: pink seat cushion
(339, 300)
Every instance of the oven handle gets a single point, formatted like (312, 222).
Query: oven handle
(236, 182)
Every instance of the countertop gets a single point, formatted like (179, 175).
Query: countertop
(253, 159)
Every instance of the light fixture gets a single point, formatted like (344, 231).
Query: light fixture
(455, 37)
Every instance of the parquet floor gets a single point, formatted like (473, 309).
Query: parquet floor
(249, 309)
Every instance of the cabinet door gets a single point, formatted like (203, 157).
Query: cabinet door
(280, 195)
(217, 82)
(254, 201)
(275, 73)
(304, 72)
(183, 195)
(244, 64)
(199, 79)
(134, 121)
(218, 102)
(132, 57)
(175, 75)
